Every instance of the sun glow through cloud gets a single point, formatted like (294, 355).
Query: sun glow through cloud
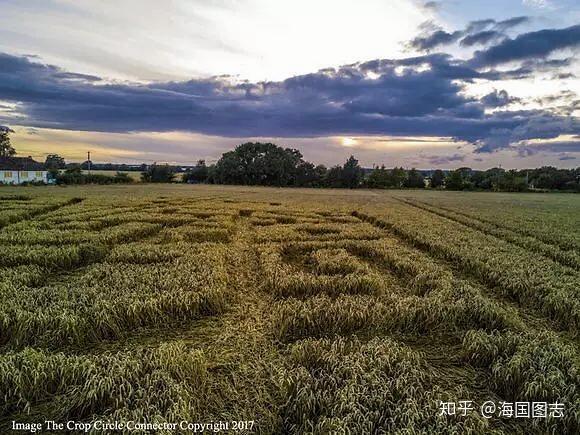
(348, 142)
(251, 39)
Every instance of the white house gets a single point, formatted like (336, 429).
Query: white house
(19, 170)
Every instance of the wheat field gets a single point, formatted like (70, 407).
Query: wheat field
(304, 311)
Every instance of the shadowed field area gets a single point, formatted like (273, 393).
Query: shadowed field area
(306, 311)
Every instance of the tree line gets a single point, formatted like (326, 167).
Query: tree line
(267, 164)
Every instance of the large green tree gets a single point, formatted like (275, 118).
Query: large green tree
(256, 163)
(460, 179)
(54, 162)
(158, 174)
(398, 177)
(379, 178)
(352, 173)
(415, 179)
(6, 149)
(333, 177)
(198, 174)
(437, 178)
(308, 175)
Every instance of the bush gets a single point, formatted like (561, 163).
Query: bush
(158, 174)
(76, 177)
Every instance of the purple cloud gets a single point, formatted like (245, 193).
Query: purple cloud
(395, 97)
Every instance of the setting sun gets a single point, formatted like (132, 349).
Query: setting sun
(348, 142)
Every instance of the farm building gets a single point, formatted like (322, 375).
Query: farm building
(19, 170)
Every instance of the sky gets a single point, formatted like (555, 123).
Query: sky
(436, 84)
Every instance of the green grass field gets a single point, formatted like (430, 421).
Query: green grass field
(303, 310)
(135, 175)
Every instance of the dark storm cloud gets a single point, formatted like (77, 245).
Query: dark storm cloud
(549, 147)
(76, 76)
(443, 160)
(532, 45)
(564, 76)
(510, 22)
(415, 96)
(526, 55)
(435, 39)
(564, 95)
(498, 99)
(526, 69)
(482, 38)
(538, 125)
(479, 25)
(476, 32)
(565, 102)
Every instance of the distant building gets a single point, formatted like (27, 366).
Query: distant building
(19, 170)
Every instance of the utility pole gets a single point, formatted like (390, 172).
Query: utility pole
(527, 179)
(89, 161)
